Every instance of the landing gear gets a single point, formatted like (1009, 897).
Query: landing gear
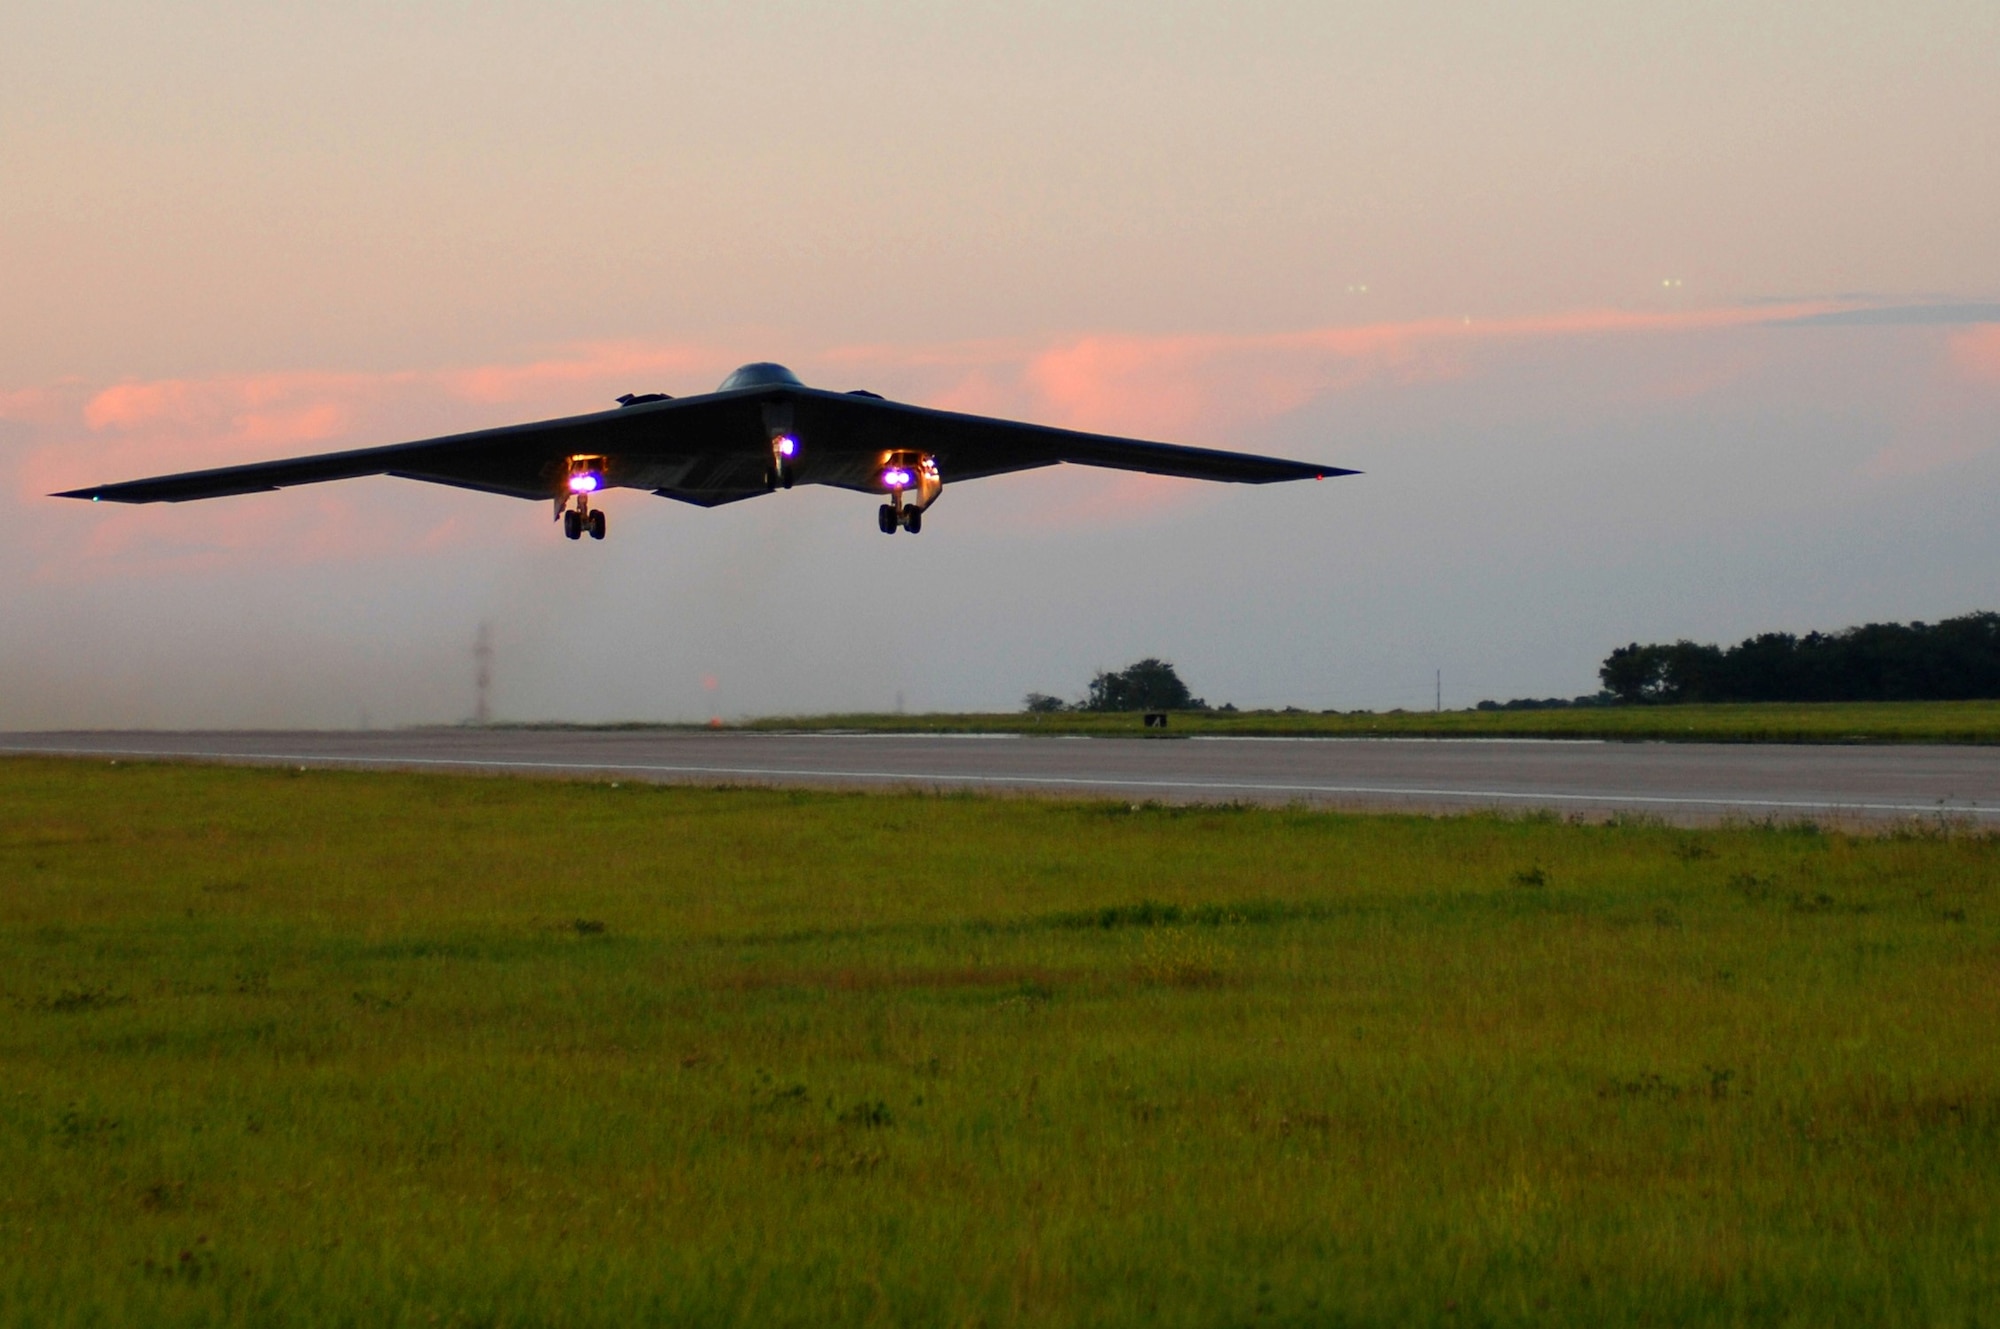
(579, 520)
(586, 477)
(784, 453)
(912, 473)
(890, 517)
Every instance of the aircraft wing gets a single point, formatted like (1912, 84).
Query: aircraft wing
(525, 461)
(716, 448)
(968, 447)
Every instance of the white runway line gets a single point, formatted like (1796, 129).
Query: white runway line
(1021, 781)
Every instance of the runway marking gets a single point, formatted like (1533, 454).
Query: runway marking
(1020, 781)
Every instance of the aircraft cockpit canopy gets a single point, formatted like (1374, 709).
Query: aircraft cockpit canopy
(763, 374)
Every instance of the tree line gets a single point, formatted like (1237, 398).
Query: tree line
(1956, 659)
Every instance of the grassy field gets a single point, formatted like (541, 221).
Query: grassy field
(1834, 722)
(337, 1048)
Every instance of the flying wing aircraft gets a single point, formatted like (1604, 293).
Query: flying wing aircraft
(761, 430)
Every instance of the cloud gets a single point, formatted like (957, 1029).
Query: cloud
(1201, 389)
(1900, 316)
(597, 364)
(1195, 388)
(1976, 353)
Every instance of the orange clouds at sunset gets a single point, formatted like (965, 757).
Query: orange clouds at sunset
(1199, 388)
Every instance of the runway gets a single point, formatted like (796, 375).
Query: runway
(1688, 783)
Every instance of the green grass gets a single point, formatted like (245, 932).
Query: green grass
(1773, 722)
(340, 1048)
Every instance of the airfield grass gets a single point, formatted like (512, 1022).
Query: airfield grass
(1750, 722)
(343, 1048)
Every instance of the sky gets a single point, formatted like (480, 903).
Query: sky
(1643, 322)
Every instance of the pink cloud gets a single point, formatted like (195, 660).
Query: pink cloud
(1976, 352)
(640, 367)
(1199, 386)
(1202, 389)
(1955, 419)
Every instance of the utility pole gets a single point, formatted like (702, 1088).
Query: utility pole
(482, 656)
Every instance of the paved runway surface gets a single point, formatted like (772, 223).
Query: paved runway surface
(1682, 782)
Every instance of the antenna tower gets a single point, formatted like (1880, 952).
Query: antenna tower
(482, 656)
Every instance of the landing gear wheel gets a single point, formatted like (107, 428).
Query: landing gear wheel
(596, 525)
(573, 524)
(913, 520)
(886, 519)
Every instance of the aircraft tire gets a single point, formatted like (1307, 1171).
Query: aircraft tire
(572, 525)
(886, 519)
(597, 525)
(913, 520)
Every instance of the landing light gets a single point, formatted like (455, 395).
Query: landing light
(896, 477)
(584, 482)
(786, 445)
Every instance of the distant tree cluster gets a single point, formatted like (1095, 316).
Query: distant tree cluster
(1953, 660)
(1148, 685)
(1549, 703)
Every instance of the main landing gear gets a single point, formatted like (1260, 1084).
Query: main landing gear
(579, 519)
(891, 517)
(916, 474)
(586, 477)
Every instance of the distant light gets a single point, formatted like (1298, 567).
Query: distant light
(787, 445)
(896, 477)
(584, 482)
(97, 498)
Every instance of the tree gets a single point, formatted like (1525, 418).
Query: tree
(1041, 703)
(1148, 685)
(1633, 673)
(1956, 659)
